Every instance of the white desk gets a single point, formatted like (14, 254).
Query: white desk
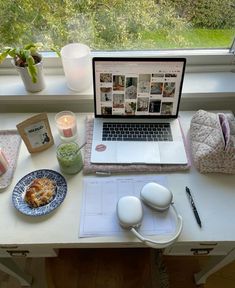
(39, 237)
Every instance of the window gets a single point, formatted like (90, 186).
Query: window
(119, 24)
(200, 30)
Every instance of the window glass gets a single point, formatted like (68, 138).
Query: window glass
(118, 24)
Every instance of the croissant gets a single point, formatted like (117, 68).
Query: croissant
(40, 192)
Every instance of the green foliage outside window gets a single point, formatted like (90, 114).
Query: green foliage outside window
(118, 24)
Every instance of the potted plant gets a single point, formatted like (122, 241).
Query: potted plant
(28, 63)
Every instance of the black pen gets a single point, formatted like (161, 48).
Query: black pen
(193, 206)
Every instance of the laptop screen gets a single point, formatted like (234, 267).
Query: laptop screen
(142, 87)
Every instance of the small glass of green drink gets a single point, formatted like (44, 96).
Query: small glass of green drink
(69, 157)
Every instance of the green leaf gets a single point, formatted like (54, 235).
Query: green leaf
(29, 46)
(12, 52)
(3, 55)
(56, 50)
(26, 54)
(32, 68)
(33, 47)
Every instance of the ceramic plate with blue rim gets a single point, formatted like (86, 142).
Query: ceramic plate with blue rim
(20, 189)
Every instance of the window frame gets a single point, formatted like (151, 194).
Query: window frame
(208, 84)
(198, 60)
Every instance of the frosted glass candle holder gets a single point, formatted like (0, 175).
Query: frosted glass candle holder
(76, 59)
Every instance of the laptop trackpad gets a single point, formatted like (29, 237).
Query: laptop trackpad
(138, 152)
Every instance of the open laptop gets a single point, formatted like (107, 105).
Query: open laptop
(136, 103)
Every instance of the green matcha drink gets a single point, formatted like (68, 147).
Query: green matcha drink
(70, 158)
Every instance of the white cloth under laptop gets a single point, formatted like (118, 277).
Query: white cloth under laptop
(131, 97)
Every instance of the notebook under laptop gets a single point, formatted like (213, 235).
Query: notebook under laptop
(136, 102)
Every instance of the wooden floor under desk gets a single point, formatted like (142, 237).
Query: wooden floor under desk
(181, 271)
(129, 268)
(119, 268)
(100, 268)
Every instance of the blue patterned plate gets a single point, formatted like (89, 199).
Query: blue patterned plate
(20, 189)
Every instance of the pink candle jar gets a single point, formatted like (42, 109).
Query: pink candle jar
(66, 123)
(3, 163)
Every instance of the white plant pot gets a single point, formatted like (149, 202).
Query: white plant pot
(28, 83)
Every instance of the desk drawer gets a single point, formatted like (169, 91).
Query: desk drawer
(198, 249)
(24, 251)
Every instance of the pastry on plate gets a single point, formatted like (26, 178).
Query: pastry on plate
(40, 192)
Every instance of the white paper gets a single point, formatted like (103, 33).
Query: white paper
(100, 197)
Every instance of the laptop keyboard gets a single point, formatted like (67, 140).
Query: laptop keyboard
(136, 132)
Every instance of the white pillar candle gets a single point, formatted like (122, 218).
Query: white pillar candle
(67, 125)
(3, 163)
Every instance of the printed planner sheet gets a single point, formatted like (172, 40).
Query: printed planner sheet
(100, 197)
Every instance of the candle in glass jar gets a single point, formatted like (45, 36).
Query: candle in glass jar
(67, 125)
(3, 163)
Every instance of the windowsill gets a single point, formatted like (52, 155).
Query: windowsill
(12, 88)
(210, 90)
